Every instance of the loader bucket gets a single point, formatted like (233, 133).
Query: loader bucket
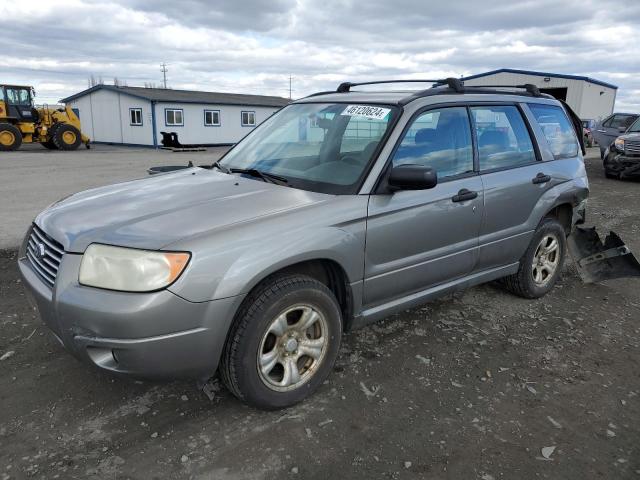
(597, 261)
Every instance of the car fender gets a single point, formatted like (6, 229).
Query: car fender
(233, 261)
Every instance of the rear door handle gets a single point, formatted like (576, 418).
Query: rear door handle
(540, 178)
(464, 195)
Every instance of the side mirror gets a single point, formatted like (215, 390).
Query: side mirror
(412, 177)
(622, 129)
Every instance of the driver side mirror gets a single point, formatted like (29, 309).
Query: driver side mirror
(412, 177)
(622, 129)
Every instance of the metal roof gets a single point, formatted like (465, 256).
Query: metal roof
(188, 96)
(541, 74)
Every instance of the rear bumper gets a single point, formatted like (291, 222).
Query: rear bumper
(620, 164)
(155, 335)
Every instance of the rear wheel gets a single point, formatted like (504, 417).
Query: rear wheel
(541, 264)
(283, 343)
(10, 137)
(66, 137)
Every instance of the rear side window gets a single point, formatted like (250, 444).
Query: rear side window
(440, 139)
(557, 129)
(503, 138)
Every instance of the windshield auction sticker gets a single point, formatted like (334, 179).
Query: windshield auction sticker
(367, 111)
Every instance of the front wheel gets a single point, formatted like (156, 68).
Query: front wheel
(283, 343)
(541, 264)
(10, 137)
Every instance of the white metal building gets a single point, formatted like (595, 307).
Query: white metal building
(137, 115)
(589, 98)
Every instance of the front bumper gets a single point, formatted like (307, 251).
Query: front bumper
(155, 335)
(620, 164)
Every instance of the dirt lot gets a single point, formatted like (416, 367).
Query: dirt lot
(473, 386)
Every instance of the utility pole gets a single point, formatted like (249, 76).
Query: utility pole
(163, 69)
(290, 80)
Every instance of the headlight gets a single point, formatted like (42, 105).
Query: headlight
(130, 270)
(619, 144)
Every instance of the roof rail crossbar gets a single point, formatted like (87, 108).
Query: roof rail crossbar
(529, 87)
(346, 86)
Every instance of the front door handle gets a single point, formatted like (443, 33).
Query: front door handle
(540, 178)
(601, 131)
(464, 195)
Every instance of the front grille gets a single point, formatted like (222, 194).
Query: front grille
(631, 148)
(44, 254)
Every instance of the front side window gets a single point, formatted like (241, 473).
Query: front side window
(212, 118)
(502, 136)
(440, 139)
(619, 120)
(136, 116)
(557, 130)
(18, 96)
(173, 117)
(248, 119)
(321, 147)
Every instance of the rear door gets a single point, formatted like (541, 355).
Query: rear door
(513, 179)
(611, 128)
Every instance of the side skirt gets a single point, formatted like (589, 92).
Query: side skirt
(380, 311)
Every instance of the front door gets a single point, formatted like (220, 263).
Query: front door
(422, 238)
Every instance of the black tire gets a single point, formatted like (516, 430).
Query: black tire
(522, 283)
(10, 137)
(49, 145)
(602, 153)
(268, 301)
(611, 175)
(66, 137)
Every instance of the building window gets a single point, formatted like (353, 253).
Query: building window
(135, 116)
(173, 117)
(212, 118)
(248, 119)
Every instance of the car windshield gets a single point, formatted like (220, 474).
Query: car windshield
(322, 147)
(635, 126)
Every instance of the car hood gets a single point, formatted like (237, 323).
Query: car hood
(162, 209)
(630, 136)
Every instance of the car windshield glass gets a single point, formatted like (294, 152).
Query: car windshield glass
(635, 127)
(322, 147)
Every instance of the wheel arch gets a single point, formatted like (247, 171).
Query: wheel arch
(326, 270)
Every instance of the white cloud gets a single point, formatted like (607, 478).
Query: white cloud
(253, 46)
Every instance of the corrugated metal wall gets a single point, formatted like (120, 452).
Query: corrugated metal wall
(584, 97)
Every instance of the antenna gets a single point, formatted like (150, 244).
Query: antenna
(163, 69)
(290, 80)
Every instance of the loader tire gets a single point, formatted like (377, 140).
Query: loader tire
(66, 137)
(49, 145)
(10, 137)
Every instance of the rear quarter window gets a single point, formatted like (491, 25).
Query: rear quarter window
(557, 130)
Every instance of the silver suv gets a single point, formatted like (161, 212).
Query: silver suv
(339, 210)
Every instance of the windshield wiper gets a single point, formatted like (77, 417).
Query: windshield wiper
(264, 176)
(220, 167)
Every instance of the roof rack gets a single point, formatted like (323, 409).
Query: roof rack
(453, 83)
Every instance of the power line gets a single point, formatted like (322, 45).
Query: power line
(163, 69)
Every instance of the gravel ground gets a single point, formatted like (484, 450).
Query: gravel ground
(479, 385)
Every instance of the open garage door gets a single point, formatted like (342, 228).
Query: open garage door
(559, 93)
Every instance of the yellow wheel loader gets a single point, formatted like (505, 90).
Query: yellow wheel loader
(21, 122)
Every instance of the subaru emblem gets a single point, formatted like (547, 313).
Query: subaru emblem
(40, 250)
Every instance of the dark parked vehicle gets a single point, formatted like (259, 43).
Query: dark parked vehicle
(622, 159)
(611, 127)
(342, 208)
(588, 126)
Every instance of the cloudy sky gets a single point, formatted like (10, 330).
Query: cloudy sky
(253, 46)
